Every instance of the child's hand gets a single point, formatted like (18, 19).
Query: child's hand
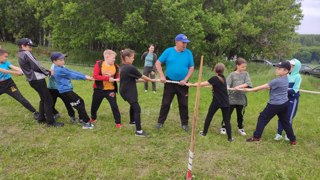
(117, 80)
(111, 79)
(152, 73)
(18, 73)
(89, 78)
(154, 80)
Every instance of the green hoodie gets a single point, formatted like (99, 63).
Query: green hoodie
(294, 78)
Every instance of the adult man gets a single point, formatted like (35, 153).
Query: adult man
(179, 67)
(35, 75)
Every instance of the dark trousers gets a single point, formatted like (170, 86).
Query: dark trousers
(55, 94)
(97, 97)
(225, 115)
(9, 87)
(77, 102)
(169, 91)
(147, 72)
(135, 112)
(240, 112)
(293, 107)
(46, 104)
(268, 113)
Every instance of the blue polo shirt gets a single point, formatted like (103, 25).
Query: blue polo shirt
(5, 66)
(177, 63)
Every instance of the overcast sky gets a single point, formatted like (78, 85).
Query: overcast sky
(311, 20)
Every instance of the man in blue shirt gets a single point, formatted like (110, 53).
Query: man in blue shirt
(179, 67)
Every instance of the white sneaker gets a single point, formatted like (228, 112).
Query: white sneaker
(223, 131)
(286, 138)
(242, 132)
(278, 137)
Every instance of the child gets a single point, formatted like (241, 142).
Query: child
(7, 84)
(35, 75)
(149, 58)
(293, 95)
(278, 103)
(128, 88)
(52, 86)
(238, 79)
(106, 73)
(220, 99)
(63, 78)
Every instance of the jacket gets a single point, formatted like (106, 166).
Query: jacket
(294, 80)
(97, 75)
(63, 78)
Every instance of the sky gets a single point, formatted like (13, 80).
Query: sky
(311, 20)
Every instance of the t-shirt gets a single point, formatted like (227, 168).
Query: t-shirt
(128, 88)
(219, 91)
(5, 66)
(234, 79)
(110, 71)
(278, 90)
(177, 63)
(148, 61)
(52, 82)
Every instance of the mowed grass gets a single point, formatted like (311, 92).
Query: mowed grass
(32, 151)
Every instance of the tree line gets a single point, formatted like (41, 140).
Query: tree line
(217, 28)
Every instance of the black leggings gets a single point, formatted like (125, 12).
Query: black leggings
(135, 112)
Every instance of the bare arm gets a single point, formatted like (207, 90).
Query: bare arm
(258, 88)
(204, 83)
(161, 74)
(11, 71)
(146, 78)
(184, 81)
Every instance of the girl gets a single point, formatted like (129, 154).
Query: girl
(128, 88)
(220, 99)
(149, 59)
(238, 79)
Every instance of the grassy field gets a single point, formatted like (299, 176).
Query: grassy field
(32, 151)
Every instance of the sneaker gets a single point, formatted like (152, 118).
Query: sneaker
(73, 120)
(223, 131)
(242, 132)
(278, 137)
(56, 116)
(158, 126)
(202, 133)
(293, 142)
(92, 120)
(132, 123)
(230, 140)
(253, 139)
(36, 115)
(142, 134)
(118, 126)
(87, 125)
(286, 138)
(185, 128)
(81, 121)
(55, 124)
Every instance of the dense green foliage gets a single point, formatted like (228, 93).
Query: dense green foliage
(217, 28)
(309, 52)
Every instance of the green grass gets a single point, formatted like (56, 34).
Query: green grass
(32, 151)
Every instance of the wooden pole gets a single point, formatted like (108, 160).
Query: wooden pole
(194, 125)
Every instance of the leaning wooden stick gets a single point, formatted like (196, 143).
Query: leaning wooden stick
(194, 125)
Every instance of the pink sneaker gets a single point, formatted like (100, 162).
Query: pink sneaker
(118, 126)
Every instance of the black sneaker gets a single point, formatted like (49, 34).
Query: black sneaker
(56, 116)
(143, 134)
(73, 120)
(55, 124)
(158, 126)
(202, 133)
(36, 115)
(185, 128)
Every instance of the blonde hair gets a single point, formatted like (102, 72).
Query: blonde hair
(108, 52)
(126, 53)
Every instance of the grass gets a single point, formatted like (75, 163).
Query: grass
(32, 151)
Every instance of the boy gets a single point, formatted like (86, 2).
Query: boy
(278, 103)
(36, 75)
(7, 84)
(63, 78)
(106, 73)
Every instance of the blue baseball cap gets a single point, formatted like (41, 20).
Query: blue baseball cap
(182, 38)
(57, 55)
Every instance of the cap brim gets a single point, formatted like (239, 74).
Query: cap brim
(186, 41)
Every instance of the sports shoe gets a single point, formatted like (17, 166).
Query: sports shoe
(36, 115)
(81, 121)
(202, 133)
(278, 137)
(253, 139)
(132, 123)
(223, 131)
(55, 124)
(230, 140)
(56, 116)
(185, 128)
(286, 138)
(293, 142)
(118, 126)
(73, 120)
(158, 126)
(92, 120)
(242, 132)
(142, 134)
(87, 125)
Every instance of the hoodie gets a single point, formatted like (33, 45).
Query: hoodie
(294, 79)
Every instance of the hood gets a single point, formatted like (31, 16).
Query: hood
(296, 68)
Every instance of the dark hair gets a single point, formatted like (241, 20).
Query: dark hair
(239, 61)
(2, 51)
(126, 53)
(219, 68)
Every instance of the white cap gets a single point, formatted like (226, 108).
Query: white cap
(292, 62)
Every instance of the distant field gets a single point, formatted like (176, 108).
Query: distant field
(32, 151)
